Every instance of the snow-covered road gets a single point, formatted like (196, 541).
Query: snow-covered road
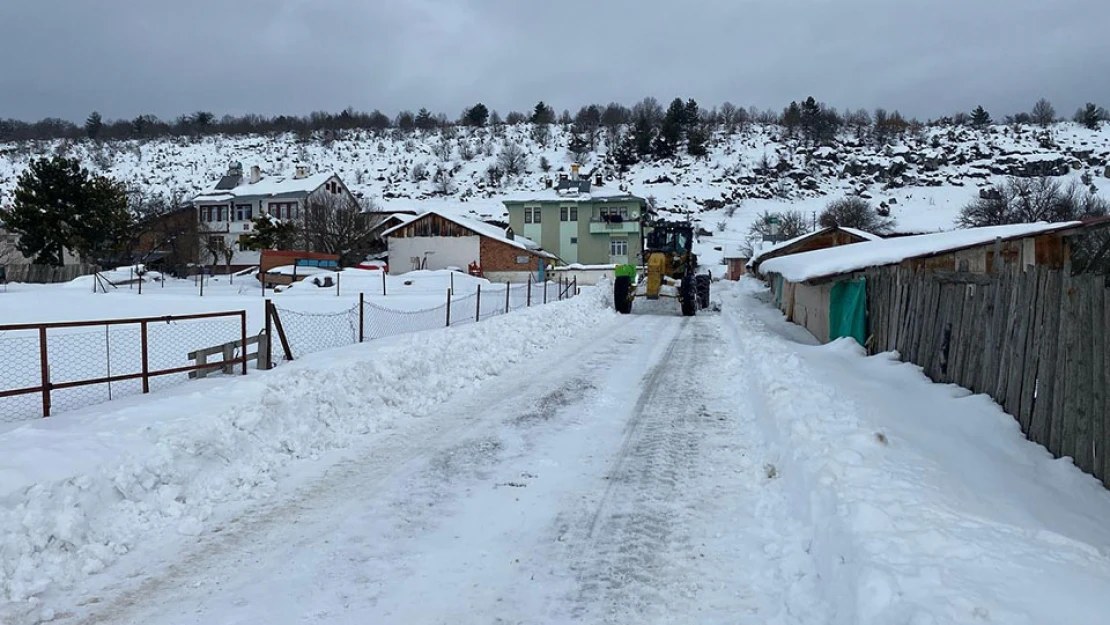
(616, 483)
(616, 469)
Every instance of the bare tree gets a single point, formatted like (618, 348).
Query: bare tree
(512, 159)
(1043, 113)
(335, 223)
(1028, 200)
(854, 212)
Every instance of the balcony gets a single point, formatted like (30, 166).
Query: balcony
(598, 226)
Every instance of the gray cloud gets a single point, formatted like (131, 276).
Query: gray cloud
(65, 58)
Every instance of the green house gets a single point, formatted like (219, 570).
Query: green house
(580, 225)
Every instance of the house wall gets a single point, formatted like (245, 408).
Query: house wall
(457, 251)
(500, 256)
(809, 307)
(1043, 251)
(736, 268)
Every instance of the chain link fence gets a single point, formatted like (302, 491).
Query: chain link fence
(54, 367)
(50, 368)
(305, 333)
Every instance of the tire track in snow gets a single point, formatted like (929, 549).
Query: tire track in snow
(400, 457)
(692, 525)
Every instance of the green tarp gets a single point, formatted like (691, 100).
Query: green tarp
(848, 310)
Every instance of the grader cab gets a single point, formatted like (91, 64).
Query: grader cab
(670, 270)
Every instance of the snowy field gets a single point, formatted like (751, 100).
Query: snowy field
(563, 464)
(314, 317)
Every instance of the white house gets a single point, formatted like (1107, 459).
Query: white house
(224, 212)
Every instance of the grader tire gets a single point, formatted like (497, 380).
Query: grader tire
(687, 295)
(702, 283)
(621, 291)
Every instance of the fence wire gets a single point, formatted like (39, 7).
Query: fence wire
(314, 332)
(383, 322)
(98, 352)
(19, 368)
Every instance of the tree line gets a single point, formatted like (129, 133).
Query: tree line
(808, 118)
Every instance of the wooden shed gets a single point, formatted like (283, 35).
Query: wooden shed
(817, 240)
(810, 287)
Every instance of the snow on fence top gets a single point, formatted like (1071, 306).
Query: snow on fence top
(847, 258)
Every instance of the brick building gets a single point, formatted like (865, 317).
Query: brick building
(437, 241)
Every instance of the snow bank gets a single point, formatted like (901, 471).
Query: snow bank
(80, 492)
(928, 505)
(846, 258)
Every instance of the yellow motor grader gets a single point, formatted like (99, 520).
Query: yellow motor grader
(670, 271)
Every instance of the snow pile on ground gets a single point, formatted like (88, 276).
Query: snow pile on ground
(79, 492)
(928, 505)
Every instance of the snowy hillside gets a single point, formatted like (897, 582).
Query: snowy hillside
(925, 178)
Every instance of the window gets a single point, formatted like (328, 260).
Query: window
(536, 215)
(243, 212)
(216, 243)
(284, 210)
(527, 214)
(574, 240)
(614, 213)
(618, 247)
(574, 213)
(532, 215)
(563, 213)
(211, 213)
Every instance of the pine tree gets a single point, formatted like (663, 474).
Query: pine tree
(543, 114)
(93, 125)
(1091, 116)
(792, 118)
(642, 135)
(980, 118)
(625, 154)
(477, 115)
(672, 130)
(59, 205)
(696, 139)
(424, 120)
(691, 115)
(268, 233)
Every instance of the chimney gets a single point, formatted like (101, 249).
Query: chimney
(235, 168)
(574, 171)
(509, 234)
(302, 172)
(599, 180)
(256, 173)
(547, 182)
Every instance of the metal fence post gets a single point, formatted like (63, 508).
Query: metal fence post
(508, 289)
(242, 340)
(478, 305)
(146, 357)
(545, 290)
(337, 284)
(269, 337)
(448, 307)
(44, 372)
(528, 301)
(361, 317)
(383, 282)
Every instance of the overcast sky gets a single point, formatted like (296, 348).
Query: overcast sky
(65, 58)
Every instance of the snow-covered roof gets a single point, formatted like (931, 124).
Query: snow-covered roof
(268, 186)
(867, 236)
(479, 227)
(847, 258)
(551, 195)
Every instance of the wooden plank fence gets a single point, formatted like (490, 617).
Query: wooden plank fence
(46, 274)
(1038, 342)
